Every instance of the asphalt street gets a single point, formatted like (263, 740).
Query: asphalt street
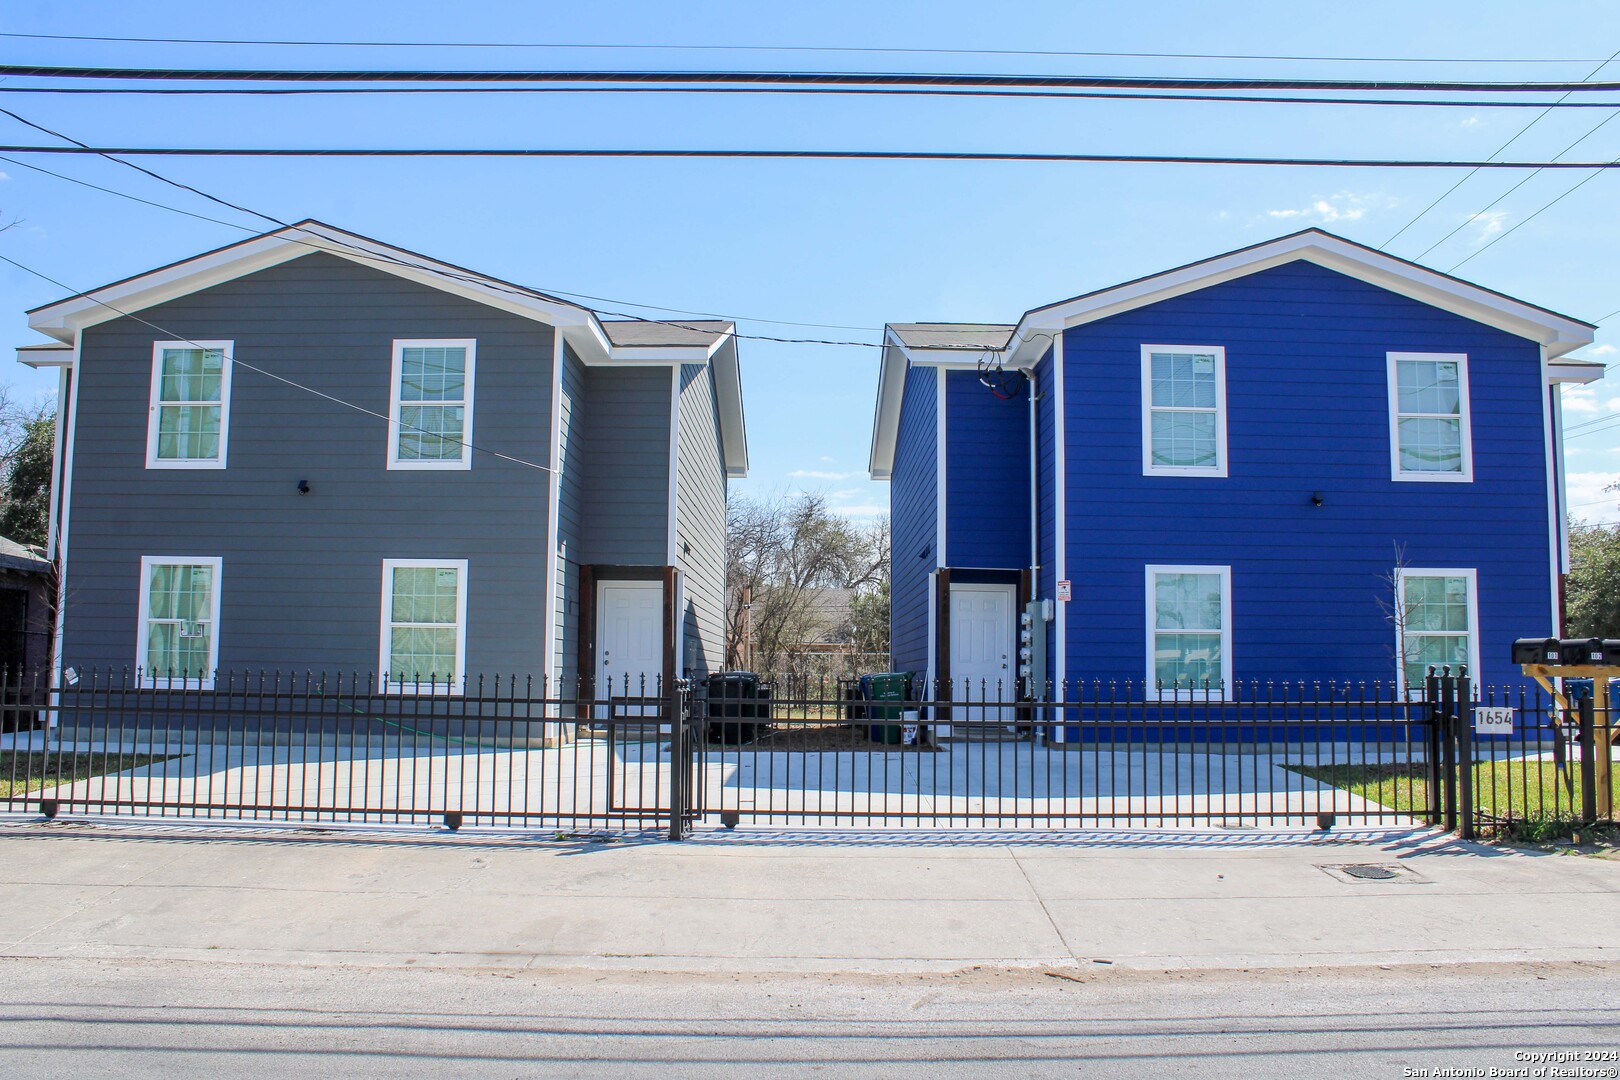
(64, 1017)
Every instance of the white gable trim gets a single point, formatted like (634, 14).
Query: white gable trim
(64, 318)
(1558, 333)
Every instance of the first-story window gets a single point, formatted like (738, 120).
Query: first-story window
(178, 637)
(424, 625)
(1189, 627)
(1439, 623)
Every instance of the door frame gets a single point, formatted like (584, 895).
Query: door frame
(945, 579)
(1009, 589)
(588, 640)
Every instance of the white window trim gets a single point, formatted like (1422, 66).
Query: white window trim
(1225, 572)
(1466, 476)
(152, 460)
(394, 403)
(458, 683)
(143, 629)
(1473, 616)
(1148, 467)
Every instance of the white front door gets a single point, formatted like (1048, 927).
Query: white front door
(984, 664)
(629, 643)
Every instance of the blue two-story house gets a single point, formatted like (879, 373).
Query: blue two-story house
(1302, 460)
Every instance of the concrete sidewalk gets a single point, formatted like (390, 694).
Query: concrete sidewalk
(791, 900)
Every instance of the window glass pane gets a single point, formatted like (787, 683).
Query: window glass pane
(1430, 445)
(1187, 659)
(188, 432)
(1187, 602)
(180, 608)
(181, 592)
(1429, 386)
(432, 374)
(1185, 439)
(1436, 624)
(422, 653)
(425, 594)
(1183, 380)
(430, 432)
(191, 375)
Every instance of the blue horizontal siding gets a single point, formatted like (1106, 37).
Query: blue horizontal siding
(1307, 411)
(913, 513)
(986, 475)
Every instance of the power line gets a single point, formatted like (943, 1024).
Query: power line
(553, 292)
(1522, 181)
(1521, 223)
(855, 91)
(815, 155)
(382, 256)
(800, 49)
(272, 375)
(1538, 118)
(796, 78)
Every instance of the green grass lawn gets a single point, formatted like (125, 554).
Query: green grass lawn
(25, 772)
(1529, 799)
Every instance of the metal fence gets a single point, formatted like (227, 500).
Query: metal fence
(272, 746)
(522, 752)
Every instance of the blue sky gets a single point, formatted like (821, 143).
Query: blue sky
(849, 244)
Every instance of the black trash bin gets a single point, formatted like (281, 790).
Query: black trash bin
(739, 707)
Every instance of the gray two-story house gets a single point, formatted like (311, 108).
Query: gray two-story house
(311, 451)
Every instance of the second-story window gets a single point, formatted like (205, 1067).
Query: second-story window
(1183, 410)
(1428, 416)
(190, 407)
(431, 411)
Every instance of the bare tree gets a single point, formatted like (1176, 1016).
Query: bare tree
(779, 553)
(1393, 605)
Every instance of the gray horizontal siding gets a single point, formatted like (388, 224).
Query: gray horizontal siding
(700, 520)
(626, 513)
(302, 574)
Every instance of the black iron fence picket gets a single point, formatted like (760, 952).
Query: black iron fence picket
(520, 751)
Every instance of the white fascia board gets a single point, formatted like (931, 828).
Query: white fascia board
(1558, 333)
(61, 320)
(1574, 373)
(726, 369)
(653, 355)
(886, 413)
(46, 356)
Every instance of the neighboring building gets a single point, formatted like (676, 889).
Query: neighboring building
(1219, 464)
(310, 451)
(25, 614)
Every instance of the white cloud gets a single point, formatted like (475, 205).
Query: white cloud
(861, 510)
(819, 474)
(1471, 121)
(1602, 350)
(1580, 400)
(1587, 499)
(1490, 223)
(1343, 206)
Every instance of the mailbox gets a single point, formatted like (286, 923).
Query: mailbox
(1582, 651)
(1537, 651)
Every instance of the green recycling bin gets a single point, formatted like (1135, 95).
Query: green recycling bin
(890, 686)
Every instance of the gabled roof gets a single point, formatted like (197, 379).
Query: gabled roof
(705, 332)
(935, 335)
(1030, 339)
(15, 556)
(629, 342)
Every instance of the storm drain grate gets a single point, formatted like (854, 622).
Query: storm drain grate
(1351, 873)
(1371, 873)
